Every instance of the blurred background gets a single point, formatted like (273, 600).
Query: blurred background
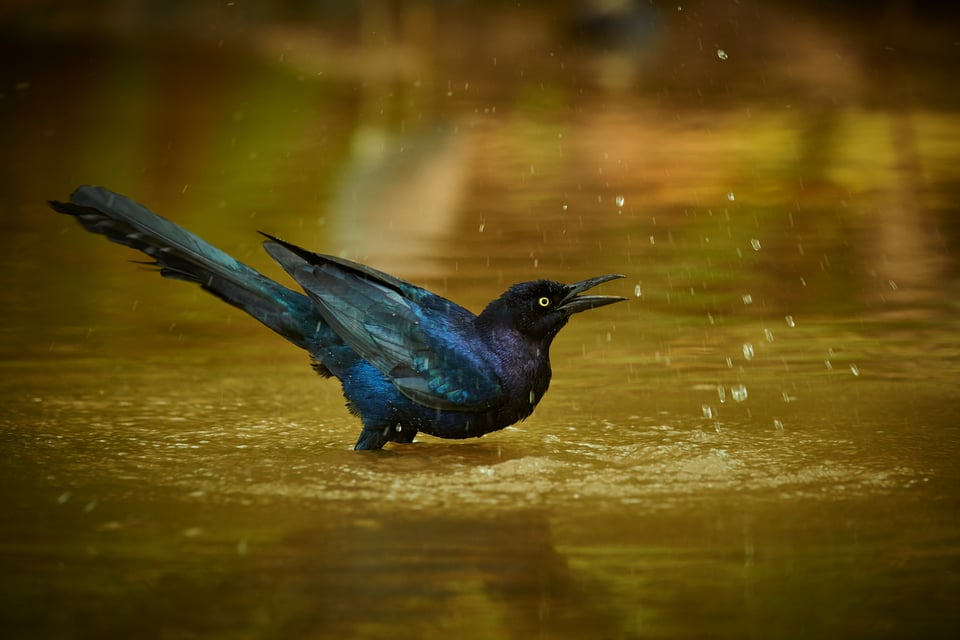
(761, 443)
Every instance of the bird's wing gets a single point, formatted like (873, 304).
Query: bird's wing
(407, 333)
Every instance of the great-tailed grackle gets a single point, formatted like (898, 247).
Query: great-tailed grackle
(409, 360)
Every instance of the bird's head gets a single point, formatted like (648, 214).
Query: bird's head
(540, 308)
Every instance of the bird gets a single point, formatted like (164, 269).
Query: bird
(409, 361)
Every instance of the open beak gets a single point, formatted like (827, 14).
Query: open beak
(575, 303)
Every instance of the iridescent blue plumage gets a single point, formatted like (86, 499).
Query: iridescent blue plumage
(408, 359)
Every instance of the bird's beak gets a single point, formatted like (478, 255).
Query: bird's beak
(575, 303)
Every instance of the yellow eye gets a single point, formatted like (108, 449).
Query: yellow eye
(544, 301)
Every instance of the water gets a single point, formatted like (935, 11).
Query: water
(763, 443)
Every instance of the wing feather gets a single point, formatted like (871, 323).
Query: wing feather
(385, 320)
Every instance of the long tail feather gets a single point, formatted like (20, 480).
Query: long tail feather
(182, 255)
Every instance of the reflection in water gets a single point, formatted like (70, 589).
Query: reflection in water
(377, 575)
(762, 442)
(399, 197)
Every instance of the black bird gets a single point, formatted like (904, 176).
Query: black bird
(409, 360)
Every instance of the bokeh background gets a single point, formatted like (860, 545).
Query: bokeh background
(762, 442)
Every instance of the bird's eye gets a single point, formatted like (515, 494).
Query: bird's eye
(544, 301)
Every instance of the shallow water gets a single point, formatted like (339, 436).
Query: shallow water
(761, 442)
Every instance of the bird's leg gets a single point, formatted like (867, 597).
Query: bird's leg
(376, 437)
(403, 435)
(372, 438)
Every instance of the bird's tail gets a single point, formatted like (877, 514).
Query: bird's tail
(181, 255)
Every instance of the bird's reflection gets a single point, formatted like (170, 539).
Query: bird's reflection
(377, 575)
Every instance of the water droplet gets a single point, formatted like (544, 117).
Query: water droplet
(729, 363)
(637, 291)
(755, 243)
(748, 351)
(722, 393)
(768, 335)
(777, 425)
(893, 285)
(730, 196)
(482, 226)
(620, 200)
(790, 322)
(747, 298)
(855, 370)
(828, 364)
(565, 207)
(722, 54)
(738, 392)
(707, 411)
